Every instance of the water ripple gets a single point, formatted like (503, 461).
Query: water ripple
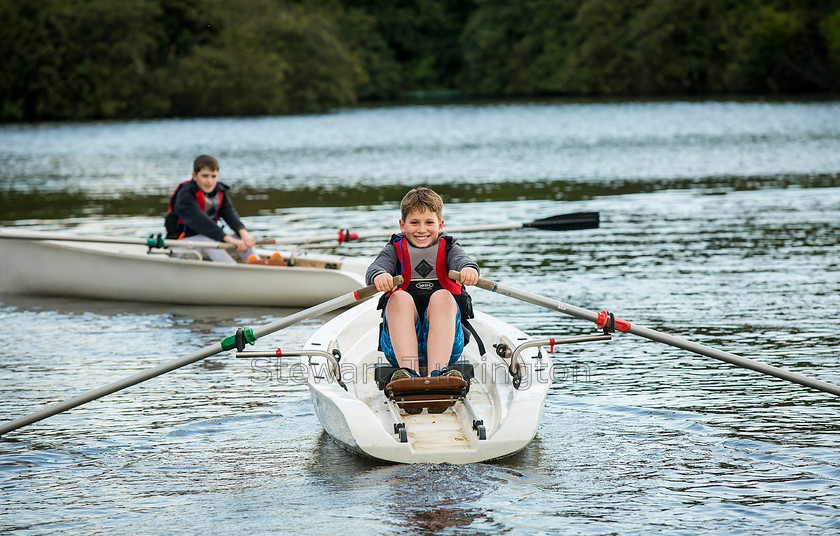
(719, 226)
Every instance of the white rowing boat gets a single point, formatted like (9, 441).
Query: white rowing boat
(135, 272)
(498, 416)
(134, 269)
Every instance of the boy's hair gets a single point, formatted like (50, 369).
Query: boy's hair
(421, 199)
(205, 161)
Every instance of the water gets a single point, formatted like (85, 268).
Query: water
(720, 225)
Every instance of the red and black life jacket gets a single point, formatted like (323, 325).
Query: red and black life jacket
(421, 291)
(175, 226)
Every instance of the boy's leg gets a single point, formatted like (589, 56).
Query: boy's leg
(441, 315)
(215, 255)
(400, 319)
(245, 255)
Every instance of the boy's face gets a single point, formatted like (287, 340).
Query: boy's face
(421, 228)
(206, 179)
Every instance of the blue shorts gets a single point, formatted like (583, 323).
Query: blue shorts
(422, 330)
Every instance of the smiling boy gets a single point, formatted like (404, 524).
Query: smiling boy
(196, 207)
(422, 317)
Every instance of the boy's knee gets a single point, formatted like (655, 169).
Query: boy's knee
(400, 300)
(400, 306)
(443, 299)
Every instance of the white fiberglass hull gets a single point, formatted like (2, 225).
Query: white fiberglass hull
(130, 273)
(359, 418)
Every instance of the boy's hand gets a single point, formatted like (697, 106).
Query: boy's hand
(247, 239)
(469, 276)
(384, 282)
(240, 245)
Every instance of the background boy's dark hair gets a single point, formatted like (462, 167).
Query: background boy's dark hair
(419, 199)
(205, 161)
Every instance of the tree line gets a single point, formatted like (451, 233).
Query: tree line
(103, 59)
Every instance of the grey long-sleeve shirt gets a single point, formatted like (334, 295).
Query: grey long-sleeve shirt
(387, 260)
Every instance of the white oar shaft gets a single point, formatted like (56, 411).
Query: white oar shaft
(25, 235)
(214, 349)
(339, 236)
(488, 227)
(657, 336)
(149, 242)
(108, 389)
(737, 360)
(346, 236)
(534, 299)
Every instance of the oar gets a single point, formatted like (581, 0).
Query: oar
(606, 320)
(151, 242)
(237, 341)
(561, 222)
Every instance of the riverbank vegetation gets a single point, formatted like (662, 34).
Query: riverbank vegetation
(102, 59)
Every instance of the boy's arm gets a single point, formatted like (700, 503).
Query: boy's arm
(458, 260)
(231, 217)
(228, 213)
(186, 207)
(385, 263)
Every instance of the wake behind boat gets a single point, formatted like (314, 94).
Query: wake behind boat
(355, 403)
(135, 272)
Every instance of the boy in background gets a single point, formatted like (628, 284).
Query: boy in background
(196, 207)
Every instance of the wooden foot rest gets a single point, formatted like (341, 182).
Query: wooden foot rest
(382, 373)
(439, 392)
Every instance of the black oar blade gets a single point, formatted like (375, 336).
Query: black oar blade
(567, 222)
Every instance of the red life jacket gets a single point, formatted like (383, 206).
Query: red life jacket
(175, 226)
(441, 270)
(421, 297)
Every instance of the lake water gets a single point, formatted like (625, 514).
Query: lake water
(720, 225)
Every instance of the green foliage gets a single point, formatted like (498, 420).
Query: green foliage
(423, 35)
(92, 59)
(782, 49)
(648, 47)
(76, 59)
(269, 58)
(516, 48)
(830, 31)
(380, 74)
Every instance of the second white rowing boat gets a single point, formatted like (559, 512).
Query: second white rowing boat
(134, 272)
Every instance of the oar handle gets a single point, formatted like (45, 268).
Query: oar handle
(485, 284)
(369, 291)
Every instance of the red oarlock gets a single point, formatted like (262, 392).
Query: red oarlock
(609, 322)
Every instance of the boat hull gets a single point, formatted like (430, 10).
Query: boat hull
(130, 273)
(359, 418)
